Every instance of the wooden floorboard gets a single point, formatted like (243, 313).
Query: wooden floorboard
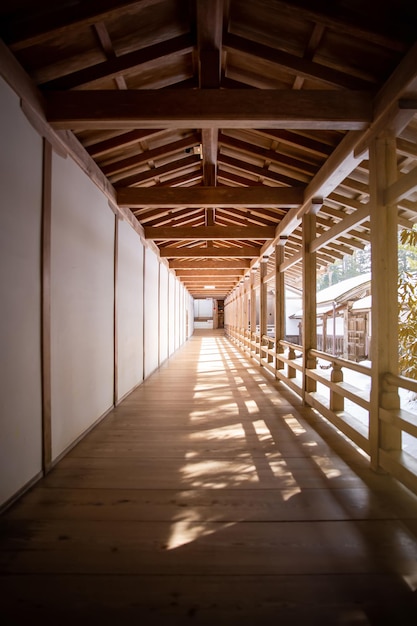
(211, 496)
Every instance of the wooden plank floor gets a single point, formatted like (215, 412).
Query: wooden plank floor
(211, 496)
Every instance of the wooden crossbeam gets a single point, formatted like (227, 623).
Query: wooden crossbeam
(210, 264)
(223, 253)
(196, 273)
(197, 197)
(240, 108)
(207, 233)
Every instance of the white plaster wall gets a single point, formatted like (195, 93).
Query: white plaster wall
(151, 319)
(129, 309)
(177, 315)
(172, 314)
(82, 301)
(163, 313)
(20, 263)
(190, 315)
(203, 307)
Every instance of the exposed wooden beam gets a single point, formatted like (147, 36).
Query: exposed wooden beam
(387, 113)
(29, 29)
(269, 155)
(347, 25)
(209, 15)
(124, 140)
(168, 168)
(261, 172)
(304, 109)
(213, 273)
(149, 155)
(197, 197)
(350, 221)
(223, 253)
(139, 60)
(209, 264)
(296, 65)
(403, 187)
(206, 233)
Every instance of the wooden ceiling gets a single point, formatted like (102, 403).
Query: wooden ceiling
(219, 123)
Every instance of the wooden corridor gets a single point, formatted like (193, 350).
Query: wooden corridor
(211, 496)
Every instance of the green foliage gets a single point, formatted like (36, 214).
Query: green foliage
(407, 303)
(351, 265)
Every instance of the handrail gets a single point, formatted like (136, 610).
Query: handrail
(335, 391)
(352, 365)
(401, 381)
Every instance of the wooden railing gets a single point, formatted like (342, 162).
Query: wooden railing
(342, 394)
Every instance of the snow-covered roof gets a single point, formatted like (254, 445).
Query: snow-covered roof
(362, 304)
(340, 290)
(338, 293)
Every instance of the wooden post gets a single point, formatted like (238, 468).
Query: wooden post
(309, 300)
(291, 371)
(384, 287)
(46, 308)
(337, 402)
(263, 300)
(115, 314)
(279, 302)
(252, 302)
(245, 304)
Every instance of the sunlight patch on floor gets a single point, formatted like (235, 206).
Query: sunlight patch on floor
(218, 474)
(251, 407)
(232, 431)
(326, 466)
(190, 528)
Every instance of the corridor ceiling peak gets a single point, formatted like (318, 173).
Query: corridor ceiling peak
(219, 123)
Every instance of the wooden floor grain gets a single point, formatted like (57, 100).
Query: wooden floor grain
(211, 496)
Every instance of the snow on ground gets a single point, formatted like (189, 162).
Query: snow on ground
(361, 381)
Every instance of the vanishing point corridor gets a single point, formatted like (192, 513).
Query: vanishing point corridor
(211, 496)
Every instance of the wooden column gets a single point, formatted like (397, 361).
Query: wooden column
(384, 287)
(46, 308)
(245, 304)
(263, 301)
(252, 302)
(309, 334)
(115, 313)
(279, 301)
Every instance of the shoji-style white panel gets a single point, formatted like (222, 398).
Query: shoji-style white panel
(82, 302)
(20, 283)
(129, 290)
(151, 319)
(163, 313)
(173, 314)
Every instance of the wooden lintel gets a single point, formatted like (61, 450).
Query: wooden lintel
(197, 197)
(240, 108)
(214, 273)
(223, 253)
(209, 264)
(209, 233)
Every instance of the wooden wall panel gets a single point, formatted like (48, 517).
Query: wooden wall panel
(82, 304)
(20, 283)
